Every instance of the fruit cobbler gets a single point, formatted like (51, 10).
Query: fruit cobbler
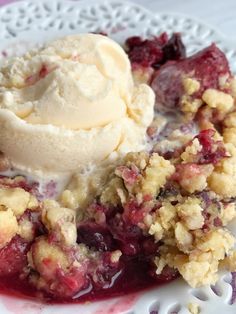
(117, 167)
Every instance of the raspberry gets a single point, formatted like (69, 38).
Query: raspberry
(154, 52)
(205, 66)
(13, 256)
(95, 236)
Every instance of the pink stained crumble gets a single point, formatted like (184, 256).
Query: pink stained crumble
(126, 239)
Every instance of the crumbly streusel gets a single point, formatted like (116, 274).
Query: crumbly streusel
(168, 205)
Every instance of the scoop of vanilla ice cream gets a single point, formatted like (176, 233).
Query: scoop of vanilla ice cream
(70, 103)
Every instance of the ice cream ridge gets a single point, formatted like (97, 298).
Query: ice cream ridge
(69, 103)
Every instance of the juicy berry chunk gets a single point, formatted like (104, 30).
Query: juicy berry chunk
(13, 256)
(124, 231)
(71, 282)
(146, 55)
(95, 236)
(206, 66)
(154, 52)
(174, 49)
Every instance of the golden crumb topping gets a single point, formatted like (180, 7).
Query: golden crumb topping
(61, 220)
(8, 225)
(223, 179)
(17, 199)
(191, 86)
(156, 174)
(217, 99)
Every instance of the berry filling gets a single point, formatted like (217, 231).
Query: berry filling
(156, 51)
(156, 215)
(206, 67)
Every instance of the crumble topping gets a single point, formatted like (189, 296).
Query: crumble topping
(191, 151)
(194, 308)
(190, 212)
(18, 200)
(222, 180)
(156, 174)
(61, 220)
(83, 188)
(13, 204)
(26, 229)
(152, 192)
(8, 225)
(191, 86)
(168, 206)
(217, 99)
(200, 266)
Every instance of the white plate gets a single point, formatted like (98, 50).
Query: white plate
(25, 24)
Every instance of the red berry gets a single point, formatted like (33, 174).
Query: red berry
(205, 66)
(13, 256)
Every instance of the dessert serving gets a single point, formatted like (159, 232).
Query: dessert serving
(118, 167)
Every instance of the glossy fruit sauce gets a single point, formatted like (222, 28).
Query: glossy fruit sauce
(133, 277)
